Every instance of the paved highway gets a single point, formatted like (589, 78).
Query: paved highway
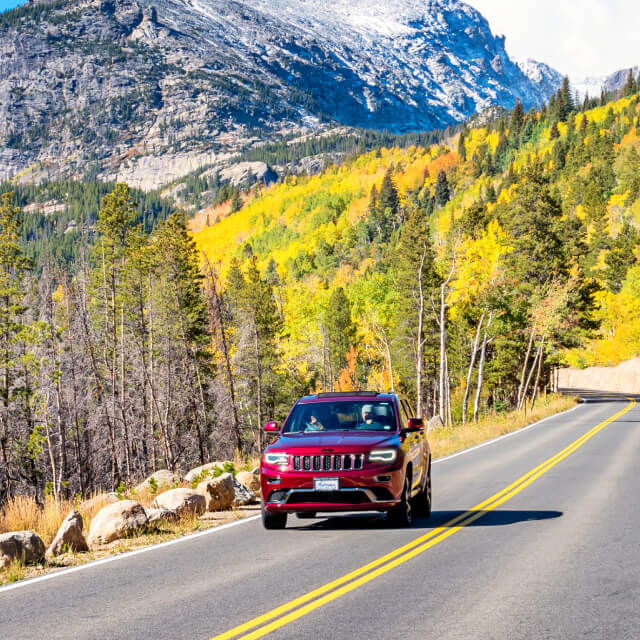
(532, 536)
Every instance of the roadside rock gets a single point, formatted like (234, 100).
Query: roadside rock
(102, 498)
(155, 516)
(69, 537)
(194, 473)
(250, 480)
(24, 545)
(116, 521)
(434, 423)
(163, 478)
(181, 501)
(219, 492)
(243, 495)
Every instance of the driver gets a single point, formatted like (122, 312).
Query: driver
(368, 421)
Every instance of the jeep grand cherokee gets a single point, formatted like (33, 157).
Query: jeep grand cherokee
(353, 451)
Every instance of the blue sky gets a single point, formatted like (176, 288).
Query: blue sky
(10, 4)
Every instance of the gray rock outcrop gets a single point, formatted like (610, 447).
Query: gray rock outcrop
(243, 494)
(181, 501)
(20, 545)
(69, 537)
(250, 480)
(115, 521)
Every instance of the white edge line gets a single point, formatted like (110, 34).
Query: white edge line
(122, 556)
(506, 435)
(129, 554)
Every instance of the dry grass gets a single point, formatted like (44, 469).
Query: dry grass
(22, 513)
(449, 440)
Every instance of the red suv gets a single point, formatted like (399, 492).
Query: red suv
(352, 451)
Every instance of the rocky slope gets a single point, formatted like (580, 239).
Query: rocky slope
(147, 90)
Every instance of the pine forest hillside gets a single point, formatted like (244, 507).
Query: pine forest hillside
(527, 233)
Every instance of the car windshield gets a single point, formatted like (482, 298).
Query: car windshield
(358, 415)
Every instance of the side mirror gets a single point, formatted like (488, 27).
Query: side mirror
(414, 425)
(271, 427)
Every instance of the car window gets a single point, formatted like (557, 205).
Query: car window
(360, 415)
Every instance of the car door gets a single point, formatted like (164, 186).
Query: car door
(415, 446)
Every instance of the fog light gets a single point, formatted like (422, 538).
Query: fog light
(278, 496)
(273, 481)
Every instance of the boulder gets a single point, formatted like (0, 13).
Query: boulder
(115, 521)
(194, 473)
(434, 423)
(155, 516)
(219, 492)
(181, 501)
(101, 498)
(243, 495)
(250, 480)
(20, 545)
(69, 537)
(163, 478)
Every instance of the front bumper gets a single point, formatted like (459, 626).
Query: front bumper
(377, 488)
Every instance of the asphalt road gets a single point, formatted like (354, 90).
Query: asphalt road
(557, 555)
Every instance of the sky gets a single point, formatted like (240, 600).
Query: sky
(10, 4)
(579, 38)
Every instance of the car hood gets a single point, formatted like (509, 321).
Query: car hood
(336, 442)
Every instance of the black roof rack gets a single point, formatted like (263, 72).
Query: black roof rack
(338, 394)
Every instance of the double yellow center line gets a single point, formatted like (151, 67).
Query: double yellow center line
(295, 609)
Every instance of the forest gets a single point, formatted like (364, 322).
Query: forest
(460, 274)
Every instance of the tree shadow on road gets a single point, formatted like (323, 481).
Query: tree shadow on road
(495, 518)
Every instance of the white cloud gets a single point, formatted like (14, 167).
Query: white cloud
(577, 37)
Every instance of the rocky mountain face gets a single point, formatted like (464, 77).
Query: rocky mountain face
(148, 90)
(593, 85)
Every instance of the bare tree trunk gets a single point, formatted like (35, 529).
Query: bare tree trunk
(525, 364)
(258, 385)
(443, 335)
(472, 362)
(218, 329)
(483, 352)
(533, 368)
(534, 393)
(419, 337)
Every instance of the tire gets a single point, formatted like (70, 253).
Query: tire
(422, 502)
(273, 520)
(400, 515)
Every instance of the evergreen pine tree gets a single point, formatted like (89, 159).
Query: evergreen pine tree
(630, 85)
(442, 191)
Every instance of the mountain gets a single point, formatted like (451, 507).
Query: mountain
(148, 90)
(593, 86)
(544, 77)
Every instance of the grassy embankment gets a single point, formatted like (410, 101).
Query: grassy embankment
(22, 513)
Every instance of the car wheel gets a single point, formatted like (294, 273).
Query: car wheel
(422, 502)
(400, 515)
(273, 520)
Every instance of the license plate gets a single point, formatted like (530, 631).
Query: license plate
(326, 484)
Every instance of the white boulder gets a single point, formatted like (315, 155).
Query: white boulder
(181, 501)
(115, 521)
(163, 478)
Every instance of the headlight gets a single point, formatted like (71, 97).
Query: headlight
(278, 459)
(383, 455)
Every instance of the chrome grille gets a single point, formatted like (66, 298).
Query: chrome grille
(337, 462)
